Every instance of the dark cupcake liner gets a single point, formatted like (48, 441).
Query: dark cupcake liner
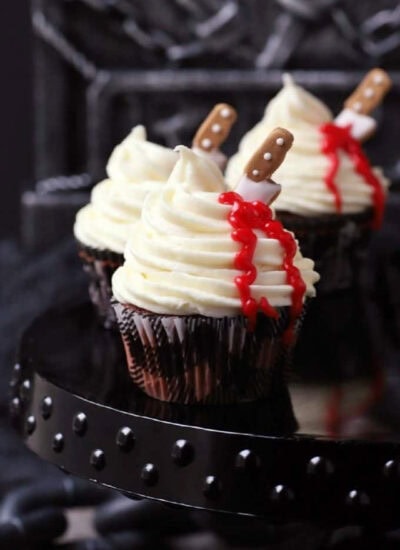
(100, 266)
(325, 223)
(338, 245)
(198, 359)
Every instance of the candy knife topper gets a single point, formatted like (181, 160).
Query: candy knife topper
(366, 97)
(213, 132)
(256, 182)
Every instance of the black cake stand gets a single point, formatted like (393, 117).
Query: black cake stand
(76, 406)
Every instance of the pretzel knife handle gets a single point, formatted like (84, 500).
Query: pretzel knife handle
(215, 128)
(370, 92)
(269, 156)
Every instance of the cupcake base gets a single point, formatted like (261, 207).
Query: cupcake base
(100, 266)
(337, 244)
(197, 359)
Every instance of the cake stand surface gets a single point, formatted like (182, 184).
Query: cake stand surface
(74, 403)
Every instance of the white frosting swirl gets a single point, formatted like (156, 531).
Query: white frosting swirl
(302, 174)
(136, 167)
(179, 258)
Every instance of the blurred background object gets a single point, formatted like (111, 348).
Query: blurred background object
(101, 67)
(16, 111)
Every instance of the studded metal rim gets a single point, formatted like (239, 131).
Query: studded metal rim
(283, 478)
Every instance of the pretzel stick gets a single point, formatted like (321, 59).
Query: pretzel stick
(269, 156)
(370, 92)
(215, 128)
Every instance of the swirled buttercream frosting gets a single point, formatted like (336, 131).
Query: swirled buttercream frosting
(180, 256)
(322, 173)
(136, 167)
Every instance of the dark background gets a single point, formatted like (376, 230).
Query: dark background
(15, 110)
(325, 61)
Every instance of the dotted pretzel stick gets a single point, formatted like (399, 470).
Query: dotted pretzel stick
(370, 92)
(215, 128)
(269, 156)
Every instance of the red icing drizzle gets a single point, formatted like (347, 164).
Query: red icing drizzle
(244, 218)
(335, 138)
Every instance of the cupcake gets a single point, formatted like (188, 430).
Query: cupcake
(331, 198)
(212, 288)
(135, 168)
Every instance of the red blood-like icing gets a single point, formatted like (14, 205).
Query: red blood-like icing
(336, 138)
(244, 218)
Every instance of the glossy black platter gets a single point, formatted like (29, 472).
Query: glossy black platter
(76, 406)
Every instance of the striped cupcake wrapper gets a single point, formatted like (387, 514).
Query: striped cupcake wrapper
(197, 359)
(100, 266)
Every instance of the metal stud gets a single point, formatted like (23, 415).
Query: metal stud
(319, 466)
(125, 439)
(211, 487)
(247, 460)
(15, 407)
(17, 369)
(357, 499)
(25, 390)
(58, 443)
(149, 474)
(98, 459)
(281, 494)
(391, 470)
(16, 375)
(79, 423)
(30, 424)
(182, 452)
(46, 407)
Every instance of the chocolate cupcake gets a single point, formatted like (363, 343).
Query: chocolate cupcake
(205, 307)
(136, 167)
(331, 199)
